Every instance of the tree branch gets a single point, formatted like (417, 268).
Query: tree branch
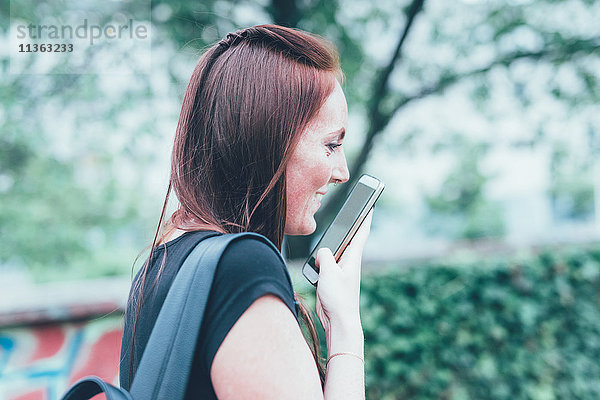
(377, 119)
(384, 75)
(570, 49)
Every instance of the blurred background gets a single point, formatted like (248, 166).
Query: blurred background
(482, 272)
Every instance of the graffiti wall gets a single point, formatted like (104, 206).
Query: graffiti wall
(39, 362)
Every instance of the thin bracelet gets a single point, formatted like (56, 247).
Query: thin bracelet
(342, 354)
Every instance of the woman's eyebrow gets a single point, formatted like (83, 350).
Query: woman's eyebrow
(340, 132)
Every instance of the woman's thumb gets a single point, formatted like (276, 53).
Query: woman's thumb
(324, 258)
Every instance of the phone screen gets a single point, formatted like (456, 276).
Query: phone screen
(336, 235)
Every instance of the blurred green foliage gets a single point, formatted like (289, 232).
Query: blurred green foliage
(572, 186)
(519, 327)
(461, 209)
(516, 328)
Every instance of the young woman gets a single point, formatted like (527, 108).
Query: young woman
(258, 143)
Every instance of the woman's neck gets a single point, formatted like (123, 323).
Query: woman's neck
(170, 235)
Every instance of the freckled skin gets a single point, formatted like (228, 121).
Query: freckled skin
(313, 165)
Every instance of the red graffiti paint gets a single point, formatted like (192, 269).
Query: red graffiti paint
(50, 339)
(38, 394)
(102, 359)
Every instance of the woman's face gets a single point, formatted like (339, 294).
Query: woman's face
(317, 161)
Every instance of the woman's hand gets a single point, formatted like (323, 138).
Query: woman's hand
(338, 288)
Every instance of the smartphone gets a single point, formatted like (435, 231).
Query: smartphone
(340, 232)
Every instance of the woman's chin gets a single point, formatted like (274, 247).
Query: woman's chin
(306, 228)
(311, 229)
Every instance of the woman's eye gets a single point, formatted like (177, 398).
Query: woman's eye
(333, 146)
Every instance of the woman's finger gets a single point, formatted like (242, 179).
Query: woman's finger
(324, 259)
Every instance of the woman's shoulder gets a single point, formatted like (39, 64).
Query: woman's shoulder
(252, 258)
(255, 244)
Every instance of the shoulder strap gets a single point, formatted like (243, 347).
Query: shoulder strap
(167, 360)
(92, 385)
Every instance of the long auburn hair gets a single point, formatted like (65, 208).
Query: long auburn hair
(250, 97)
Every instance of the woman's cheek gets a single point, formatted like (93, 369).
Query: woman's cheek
(318, 172)
(298, 194)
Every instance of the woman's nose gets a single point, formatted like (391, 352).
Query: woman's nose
(340, 172)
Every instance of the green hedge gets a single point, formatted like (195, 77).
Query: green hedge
(504, 329)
